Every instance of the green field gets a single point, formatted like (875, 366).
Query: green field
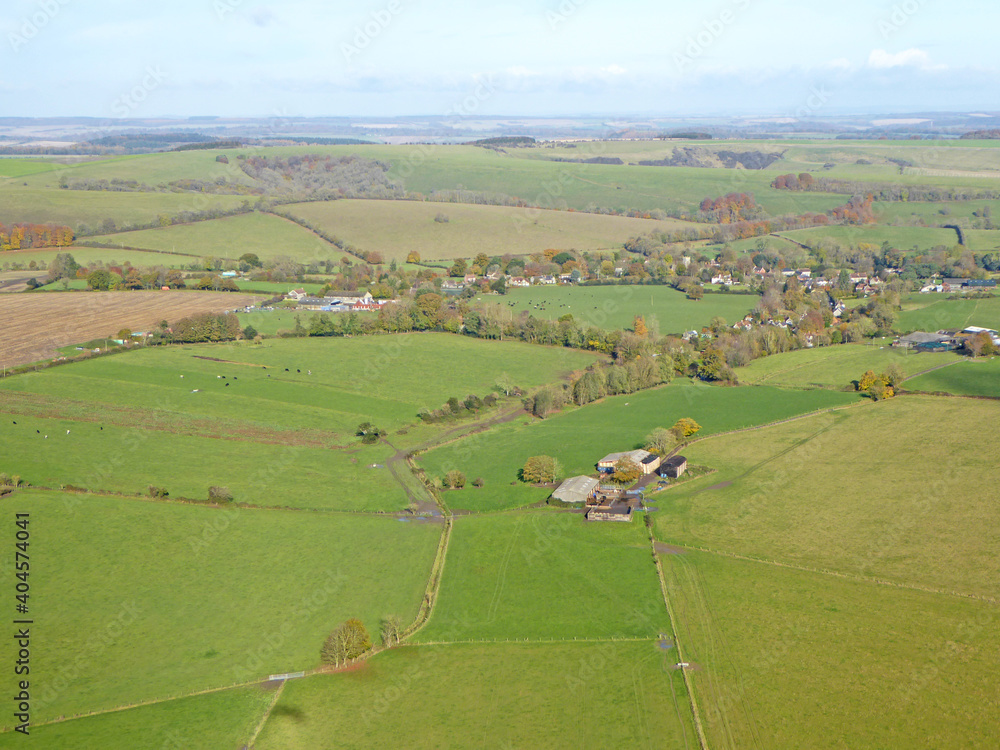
(533, 575)
(526, 695)
(980, 377)
(666, 310)
(933, 312)
(903, 238)
(578, 438)
(89, 256)
(10, 168)
(211, 597)
(205, 722)
(787, 658)
(86, 207)
(396, 228)
(266, 235)
(882, 491)
(836, 366)
(83, 423)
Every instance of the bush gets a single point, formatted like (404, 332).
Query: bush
(219, 495)
(455, 479)
(478, 482)
(161, 491)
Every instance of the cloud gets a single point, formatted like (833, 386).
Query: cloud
(880, 59)
(614, 70)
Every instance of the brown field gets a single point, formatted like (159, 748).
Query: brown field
(34, 326)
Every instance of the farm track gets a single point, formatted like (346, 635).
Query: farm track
(36, 325)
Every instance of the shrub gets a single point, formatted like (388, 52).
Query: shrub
(153, 491)
(219, 494)
(478, 482)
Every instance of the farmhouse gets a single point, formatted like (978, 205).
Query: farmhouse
(296, 294)
(673, 467)
(641, 457)
(576, 489)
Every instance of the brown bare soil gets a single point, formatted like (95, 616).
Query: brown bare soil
(663, 548)
(34, 326)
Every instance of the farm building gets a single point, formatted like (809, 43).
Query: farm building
(918, 338)
(641, 457)
(615, 512)
(650, 463)
(576, 489)
(673, 467)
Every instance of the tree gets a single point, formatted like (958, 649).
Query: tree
(63, 266)
(626, 471)
(219, 495)
(455, 479)
(540, 470)
(695, 292)
(660, 441)
(879, 390)
(639, 326)
(347, 642)
(413, 257)
(391, 628)
(867, 380)
(979, 344)
(249, 332)
(499, 286)
(712, 365)
(478, 482)
(251, 260)
(459, 268)
(125, 335)
(893, 375)
(369, 433)
(685, 428)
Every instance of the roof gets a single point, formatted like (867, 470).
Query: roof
(921, 337)
(651, 458)
(674, 461)
(637, 455)
(575, 489)
(981, 282)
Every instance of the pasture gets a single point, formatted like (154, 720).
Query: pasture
(665, 310)
(36, 325)
(579, 437)
(967, 377)
(836, 366)
(266, 235)
(903, 238)
(211, 597)
(516, 695)
(91, 256)
(396, 228)
(883, 491)
(203, 722)
(89, 208)
(934, 312)
(533, 575)
(788, 658)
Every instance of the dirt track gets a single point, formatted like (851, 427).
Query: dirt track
(34, 326)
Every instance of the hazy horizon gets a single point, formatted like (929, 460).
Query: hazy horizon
(233, 58)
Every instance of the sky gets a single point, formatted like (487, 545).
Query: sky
(783, 58)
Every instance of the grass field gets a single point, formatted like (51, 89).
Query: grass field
(903, 238)
(614, 307)
(395, 228)
(524, 695)
(578, 438)
(86, 207)
(965, 378)
(330, 384)
(533, 575)
(285, 441)
(36, 325)
(836, 366)
(89, 256)
(10, 168)
(212, 597)
(882, 491)
(267, 235)
(788, 658)
(204, 722)
(932, 312)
